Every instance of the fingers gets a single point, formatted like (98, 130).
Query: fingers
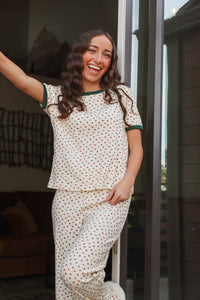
(111, 194)
(115, 197)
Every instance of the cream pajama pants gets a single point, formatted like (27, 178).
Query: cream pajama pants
(85, 229)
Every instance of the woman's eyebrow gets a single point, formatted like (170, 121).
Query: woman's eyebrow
(98, 47)
(108, 50)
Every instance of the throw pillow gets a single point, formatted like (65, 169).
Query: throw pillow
(20, 219)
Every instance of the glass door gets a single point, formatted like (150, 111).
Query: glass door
(136, 217)
(180, 201)
(144, 217)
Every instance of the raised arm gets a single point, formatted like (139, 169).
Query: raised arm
(22, 81)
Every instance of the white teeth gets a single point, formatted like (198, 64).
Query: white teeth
(94, 67)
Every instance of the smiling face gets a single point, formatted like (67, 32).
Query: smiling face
(97, 60)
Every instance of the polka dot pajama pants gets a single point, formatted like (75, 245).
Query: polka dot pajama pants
(85, 229)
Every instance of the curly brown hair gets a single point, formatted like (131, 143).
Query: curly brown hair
(71, 77)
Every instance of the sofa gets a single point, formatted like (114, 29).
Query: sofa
(25, 233)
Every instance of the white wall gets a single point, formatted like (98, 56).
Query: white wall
(13, 99)
(21, 178)
(14, 28)
(68, 19)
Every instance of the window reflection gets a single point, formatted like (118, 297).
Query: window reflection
(180, 204)
(136, 218)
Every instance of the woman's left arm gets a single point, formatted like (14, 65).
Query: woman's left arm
(121, 191)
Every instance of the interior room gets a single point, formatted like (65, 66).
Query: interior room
(36, 35)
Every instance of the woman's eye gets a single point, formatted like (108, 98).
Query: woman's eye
(91, 50)
(108, 55)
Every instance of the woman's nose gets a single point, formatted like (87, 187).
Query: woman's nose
(98, 57)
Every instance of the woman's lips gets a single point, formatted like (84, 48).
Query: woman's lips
(94, 69)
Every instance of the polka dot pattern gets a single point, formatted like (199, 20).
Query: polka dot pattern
(85, 228)
(90, 147)
(90, 157)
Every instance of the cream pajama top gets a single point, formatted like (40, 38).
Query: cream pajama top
(91, 146)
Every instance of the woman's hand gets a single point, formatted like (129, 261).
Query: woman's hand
(120, 192)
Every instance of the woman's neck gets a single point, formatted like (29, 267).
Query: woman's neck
(91, 87)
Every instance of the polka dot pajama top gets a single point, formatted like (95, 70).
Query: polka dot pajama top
(90, 157)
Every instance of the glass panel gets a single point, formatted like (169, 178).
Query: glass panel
(136, 219)
(180, 202)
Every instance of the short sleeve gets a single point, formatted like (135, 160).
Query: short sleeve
(133, 118)
(51, 94)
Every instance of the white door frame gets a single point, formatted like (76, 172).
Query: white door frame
(121, 38)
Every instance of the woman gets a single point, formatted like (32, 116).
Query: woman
(97, 155)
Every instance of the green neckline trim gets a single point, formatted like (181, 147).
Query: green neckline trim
(93, 92)
(134, 127)
(44, 105)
